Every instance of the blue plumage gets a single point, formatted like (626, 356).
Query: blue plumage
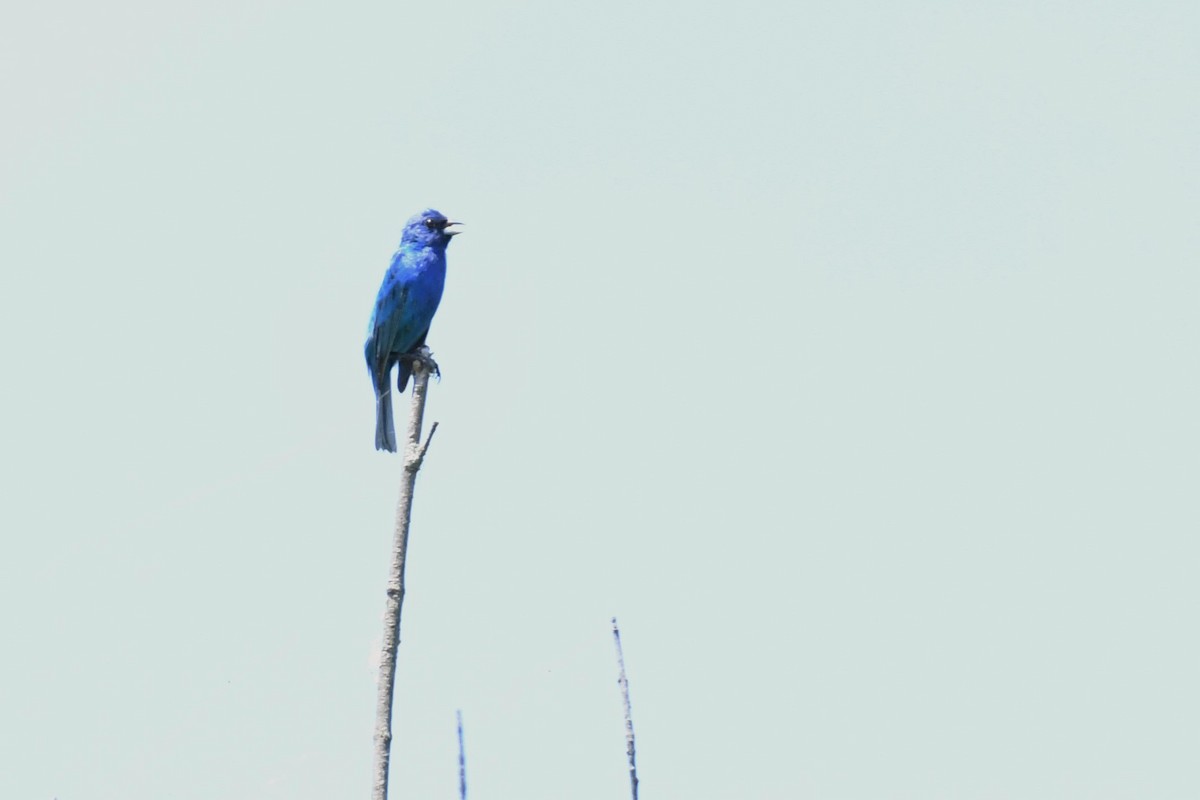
(404, 308)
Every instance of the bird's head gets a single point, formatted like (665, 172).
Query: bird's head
(430, 228)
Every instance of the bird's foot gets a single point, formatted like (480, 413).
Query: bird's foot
(424, 356)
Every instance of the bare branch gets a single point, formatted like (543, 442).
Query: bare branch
(414, 454)
(623, 682)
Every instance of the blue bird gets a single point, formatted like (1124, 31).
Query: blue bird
(404, 308)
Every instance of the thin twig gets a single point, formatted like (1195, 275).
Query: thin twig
(623, 682)
(414, 454)
(462, 762)
(420, 459)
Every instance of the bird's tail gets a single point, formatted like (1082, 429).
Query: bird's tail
(385, 428)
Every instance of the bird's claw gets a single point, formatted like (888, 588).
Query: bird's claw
(424, 357)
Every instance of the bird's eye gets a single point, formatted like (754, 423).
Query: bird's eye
(429, 223)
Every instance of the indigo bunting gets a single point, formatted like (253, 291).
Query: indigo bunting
(404, 308)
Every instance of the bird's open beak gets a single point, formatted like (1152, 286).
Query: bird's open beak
(449, 232)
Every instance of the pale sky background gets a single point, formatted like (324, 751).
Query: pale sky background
(846, 352)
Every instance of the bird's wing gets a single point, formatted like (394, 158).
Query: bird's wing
(388, 320)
